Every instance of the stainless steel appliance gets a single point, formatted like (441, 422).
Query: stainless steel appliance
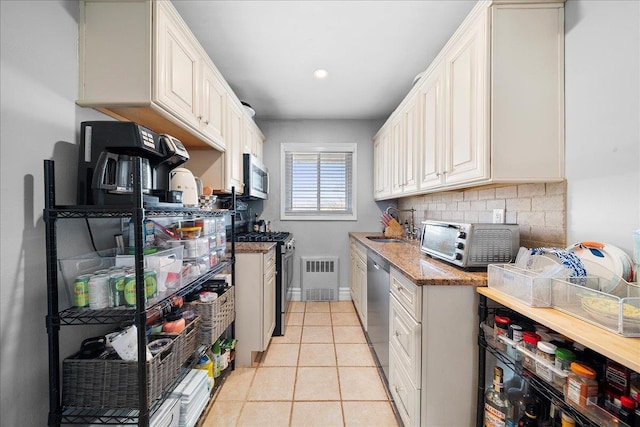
(284, 271)
(378, 298)
(108, 150)
(470, 245)
(256, 178)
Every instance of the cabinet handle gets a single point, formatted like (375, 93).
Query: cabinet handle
(199, 117)
(444, 172)
(438, 174)
(400, 288)
(206, 122)
(397, 334)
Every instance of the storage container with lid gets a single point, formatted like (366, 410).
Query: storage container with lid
(530, 343)
(546, 355)
(582, 387)
(500, 327)
(564, 357)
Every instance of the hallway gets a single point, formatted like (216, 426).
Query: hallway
(321, 373)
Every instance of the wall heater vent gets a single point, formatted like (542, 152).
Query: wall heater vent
(320, 277)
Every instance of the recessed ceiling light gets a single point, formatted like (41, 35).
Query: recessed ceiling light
(320, 74)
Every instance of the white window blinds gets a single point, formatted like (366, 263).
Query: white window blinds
(318, 182)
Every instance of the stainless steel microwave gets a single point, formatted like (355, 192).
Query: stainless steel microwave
(256, 178)
(470, 245)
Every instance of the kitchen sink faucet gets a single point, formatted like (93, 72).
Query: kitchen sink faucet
(412, 232)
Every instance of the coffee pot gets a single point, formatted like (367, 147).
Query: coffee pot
(114, 173)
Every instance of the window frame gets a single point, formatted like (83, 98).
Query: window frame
(286, 147)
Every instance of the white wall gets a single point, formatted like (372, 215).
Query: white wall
(322, 237)
(39, 120)
(602, 83)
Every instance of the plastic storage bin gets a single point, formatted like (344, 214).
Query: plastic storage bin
(166, 263)
(581, 298)
(523, 285)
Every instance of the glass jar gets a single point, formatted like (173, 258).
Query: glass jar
(530, 343)
(500, 327)
(582, 387)
(546, 355)
(564, 357)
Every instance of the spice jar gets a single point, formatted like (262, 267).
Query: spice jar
(515, 334)
(567, 420)
(582, 387)
(500, 327)
(546, 355)
(530, 341)
(564, 357)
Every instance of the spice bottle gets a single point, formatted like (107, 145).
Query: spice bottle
(500, 327)
(582, 387)
(564, 357)
(627, 410)
(546, 354)
(530, 340)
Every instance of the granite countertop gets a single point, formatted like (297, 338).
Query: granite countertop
(418, 267)
(254, 247)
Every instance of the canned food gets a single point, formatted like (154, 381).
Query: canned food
(150, 284)
(116, 287)
(130, 290)
(81, 291)
(99, 291)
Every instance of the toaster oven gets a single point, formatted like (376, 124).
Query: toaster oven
(470, 245)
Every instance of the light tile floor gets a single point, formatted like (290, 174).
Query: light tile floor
(321, 373)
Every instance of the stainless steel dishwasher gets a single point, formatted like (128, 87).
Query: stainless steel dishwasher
(378, 309)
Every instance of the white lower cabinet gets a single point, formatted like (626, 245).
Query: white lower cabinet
(405, 394)
(432, 352)
(255, 303)
(358, 280)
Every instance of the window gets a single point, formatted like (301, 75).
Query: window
(317, 182)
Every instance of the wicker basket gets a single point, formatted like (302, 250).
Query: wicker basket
(215, 316)
(113, 384)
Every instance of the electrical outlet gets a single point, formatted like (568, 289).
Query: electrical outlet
(498, 216)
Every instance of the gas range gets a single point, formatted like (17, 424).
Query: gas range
(278, 236)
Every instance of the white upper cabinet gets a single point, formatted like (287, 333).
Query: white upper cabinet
(491, 105)
(466, 108)
(139, 61)
(382, 164)
(213, 103)
(431, 152)
(178, 67)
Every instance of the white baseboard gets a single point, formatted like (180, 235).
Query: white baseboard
(344, 294)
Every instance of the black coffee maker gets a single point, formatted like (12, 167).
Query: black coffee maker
(108, 150)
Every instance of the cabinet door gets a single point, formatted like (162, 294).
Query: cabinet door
(362, 288)
(431, 151)
(177, 71)
(405, 339)
(467, 106)
(405, 395)
(212, 105)
(233, 136)
(381, 166)
(397, 155)
(411, 142)
(269, 308)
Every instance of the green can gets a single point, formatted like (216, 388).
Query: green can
(130, 290)
(81, 291)
(150, 283)
(116, 287)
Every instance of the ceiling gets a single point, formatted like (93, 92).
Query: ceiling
(268, 50)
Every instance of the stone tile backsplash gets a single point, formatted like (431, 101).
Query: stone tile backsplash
(539, 209)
